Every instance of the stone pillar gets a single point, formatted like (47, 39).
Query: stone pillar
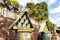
(54, 33)
(23, 36)
(0, 11)
(5, 11)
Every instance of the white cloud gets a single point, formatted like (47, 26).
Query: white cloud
(58, 22)
(55, 10)
(23, 2)
(58, 19)
(55, 21)
(50, 2)
(35, 1)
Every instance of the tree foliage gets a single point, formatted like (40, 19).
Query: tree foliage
(14, 2)
(30, 5)
(12, 5)
(38, 11)
(49, 25)
(2, 5)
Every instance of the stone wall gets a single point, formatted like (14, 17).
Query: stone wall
(6, 34)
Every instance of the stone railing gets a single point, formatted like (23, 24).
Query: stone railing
(7, 13)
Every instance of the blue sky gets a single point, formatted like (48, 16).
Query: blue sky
(53, 6)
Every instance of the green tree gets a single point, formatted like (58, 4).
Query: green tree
(49, 25)
(44, 8)
(38, 5)
(42, 11)
(30, 5)
(32, 9)
(12, 5)
(38, 11)
(14, 2)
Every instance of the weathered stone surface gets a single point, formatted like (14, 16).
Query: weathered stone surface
(6, 34)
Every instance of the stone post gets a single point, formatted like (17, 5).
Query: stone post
(54, 33)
